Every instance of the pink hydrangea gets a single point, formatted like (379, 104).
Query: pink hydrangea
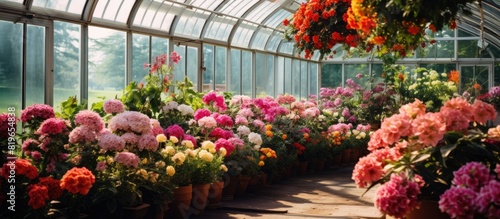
(240, 120)
(237, 142)
(312, 112)
(398, 196)
(429, 128)
(130, 121)
(223, 143)
(488, 199)
(52, 126)
(38, 112)
(148, 142)
(82, 134)
(340, 127)
(367, 171)
(130, 138)
(225, 121)
(458, 202)
(113, 106)
(90, 119)
(28, 143)
(455, 120)
(36, 155)
(482, 112)
(412, 110)
(473, 175)
(376, 141)
(258, 123)
(174, 130)
(246, 112)
(241, 100)
(394, 127)
(386, 154)
(200, 113)
(462, 105)
(4, 124)
(221, 133)
(285, 99)
(111, 142)
(127, 159)
(156, 130)
(364, 128)
(101, 166)
(207, 122)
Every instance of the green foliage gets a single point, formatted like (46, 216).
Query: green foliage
(69, 108)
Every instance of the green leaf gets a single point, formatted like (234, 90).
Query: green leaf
(446, 150)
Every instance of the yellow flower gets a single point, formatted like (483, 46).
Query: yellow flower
(190, 152)
(174, 139)
(109, 160)
(179, 158)
(223, 168)
(222, 152)
(188, 144)
(170, 150)
(268, 154)
(160, 164)
(261, 163)
(207, 145)
(206, 156)
(144, 161)
(212, 150)
(153, 177)
(170, 170)
(161, 138)
(143, 173)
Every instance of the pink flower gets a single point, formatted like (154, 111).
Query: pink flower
(190, 138)
(458, 202)
(52, 126)
(394, 127)
(417, 108)
(367, 171)
(175, 57)
(398, 196)
(4, 124)
(455, 120)
(473, 175)
(258, 123)
(482, 112)
(240, 100)
(285, 99)
(36, 155)
(156, 130)
(312, 112)
(200, 113)
(221, 133)
(223, 143)
(429, 128)
(246, 112)
(364, 128)
(224, 121)
(113, 106)
(237, 142)
(488, 199)
(148, 142)
(462, 105)
(90, 119)
(240, 120)
(127, 159)
(497, 170)
(207, 122)
(174, 130)
(28, 143)
(101, 166)
(38, 112)
(376, 141)
(111, 142)
(130, 138)
(82, 134)
(130, 121)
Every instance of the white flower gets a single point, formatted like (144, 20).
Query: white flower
(434, 75)
(444, 75)
(185, 110)
(255, 138)
(256, 147)
(321, 117)
(170, 105)
(243, 130)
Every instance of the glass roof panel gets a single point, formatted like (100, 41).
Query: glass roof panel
(277, 18)
(237, 7)
(274, 42)
(220, 28)
(260, 39)
(71, 6)
(243, 34)
(287, 47)
(263, 10)
(114, 10)
(207, 4)
(156, 14)
(191, 22)
(18, 1)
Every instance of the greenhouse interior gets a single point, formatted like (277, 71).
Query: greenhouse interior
(250, 108)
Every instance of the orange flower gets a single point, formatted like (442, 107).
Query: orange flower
(78, 180)
(269, 127)
(477, 86)
(378, 40)
(432, 28)
(284, 136)
(454, 76)
(306, 135)
(269, 133)
(38, 195)
(401, 77)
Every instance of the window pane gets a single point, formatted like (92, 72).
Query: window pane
(313, 79)
(303, 80)
(296, 78)
(440, 49)
(280, 76)
(260, 74)
(66, 61)
(35, 65)
(377, 70)
(75, 6)
(470, 49)
(180, 68)
(208, 64)
(140, 55)
(106, 63)
(288, 75)
(158, 46)
(331, 75)
(471, 75)
(350, 72)
(246, 73)
(220, 68)
(440, 68)
(496, 74)
(234, 80)
(270, 76)
(11, 50)
(114, 10)
(192, 65)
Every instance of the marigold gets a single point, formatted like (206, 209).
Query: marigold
(269, 133)
(78, 180)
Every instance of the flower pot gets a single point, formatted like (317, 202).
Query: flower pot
(215, 194)
(346, 156)
(295, 167)
(179, 207)
(320, 166)
(312, 164)
(287, 171)
(253, 184)
(200, 198)
(230, 184)
(136, 212)
(428, 209)
(302, 168)
(263, 179)
(337, 160)
(242, 185)
(354, 155)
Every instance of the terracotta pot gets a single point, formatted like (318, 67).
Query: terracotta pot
(215, 194)
(200, 198)
(302, 167)
(242, 184)
(346, 156)
(428, 209)
(312, 164)
(253, 184)
(354, 155)
(179, 207)
(230, 185)
(320, 166)
(295, 167)
(136, 212)
(337, 160)
(263, 179)
(287, 172)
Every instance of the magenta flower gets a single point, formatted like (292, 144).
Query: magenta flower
(175, 57)
(398, 196)
(223, 143)
(457, 202)
(38, 112)
(190, 138)
(473, 175)
(488, 199)
(174, 130)
(52, 126)
(200, 113)
(225, 121)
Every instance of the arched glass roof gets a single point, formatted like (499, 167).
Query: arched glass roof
(253, 24)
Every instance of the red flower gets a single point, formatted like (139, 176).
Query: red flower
(53, 185)
(38, 195)
(78, 180)
(286, 22)
(21, 166)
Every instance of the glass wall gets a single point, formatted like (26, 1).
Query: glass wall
(246, 73)
(220, 68)
(235, 72)
(11, 51)
(35, 65)
(140, 56)
(208, 66)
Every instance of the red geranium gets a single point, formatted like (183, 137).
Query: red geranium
(78, 180)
